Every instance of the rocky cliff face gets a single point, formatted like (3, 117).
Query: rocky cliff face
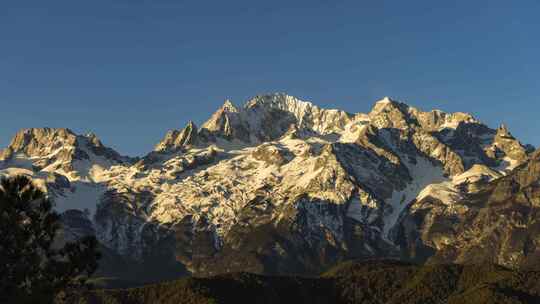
(283, 186)
(491, 217)
(59, 150)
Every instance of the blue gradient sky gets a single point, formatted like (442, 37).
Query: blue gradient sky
(130, 70)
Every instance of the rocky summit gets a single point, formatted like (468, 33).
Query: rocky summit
(282, 186)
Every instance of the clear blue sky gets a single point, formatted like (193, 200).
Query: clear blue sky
(130, 70)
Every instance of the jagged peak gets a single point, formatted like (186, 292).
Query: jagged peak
(43, 136)
(175, 139)
(389, 113)
(228, 106)
(45, 131)
(465, 117)
(385, 104)
(389, 103)
(385, 100)
(51, 136)
(503, 131)
(93, 139)
(281, 101)
(402, 115)
(220, 118)
(190, 130)
(58, 143)
(444, 120)
(298, 108)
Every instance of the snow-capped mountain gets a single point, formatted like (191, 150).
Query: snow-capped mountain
(280, 185)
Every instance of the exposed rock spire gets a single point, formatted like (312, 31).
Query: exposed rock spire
(176, 139)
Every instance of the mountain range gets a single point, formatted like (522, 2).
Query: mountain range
(281, 186)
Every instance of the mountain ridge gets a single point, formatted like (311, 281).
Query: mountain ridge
(279, 185)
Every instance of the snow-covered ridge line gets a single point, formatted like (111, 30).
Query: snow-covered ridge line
(275, 160)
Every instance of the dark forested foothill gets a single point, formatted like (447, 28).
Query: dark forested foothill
(369, 282)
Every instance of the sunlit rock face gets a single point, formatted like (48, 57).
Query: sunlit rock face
(280, 185)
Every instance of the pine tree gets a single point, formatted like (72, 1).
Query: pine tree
(34, 267)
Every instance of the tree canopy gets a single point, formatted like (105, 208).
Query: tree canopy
(36, 265)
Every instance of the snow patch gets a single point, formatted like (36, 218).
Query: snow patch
(446, 192)
(423, 174)
(507, 164)
(476, 173)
